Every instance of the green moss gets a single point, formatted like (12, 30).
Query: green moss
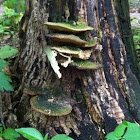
(91, 43)
(68, 27)
(85, 64)
(50, 106)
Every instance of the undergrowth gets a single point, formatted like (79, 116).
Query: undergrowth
(9, 20)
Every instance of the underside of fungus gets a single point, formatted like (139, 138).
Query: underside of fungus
(74, 52)
(73, 39)
(67, 39)
(32, 91)
(50, 106)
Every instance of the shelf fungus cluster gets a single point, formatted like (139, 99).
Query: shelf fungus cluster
(50, 106)
(68, 48)
(45, 101)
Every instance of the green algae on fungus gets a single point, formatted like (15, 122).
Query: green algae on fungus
(68, 27)
(91, 43)
(67, 39)
(74, 52)
(85, 64)
(50, 106)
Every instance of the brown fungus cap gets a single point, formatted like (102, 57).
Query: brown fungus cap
(67, 39)
(50, 106)
(32, 91)
(68, 27)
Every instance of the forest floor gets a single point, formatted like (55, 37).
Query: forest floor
(1, 9)
(135, 22)
(7, 39)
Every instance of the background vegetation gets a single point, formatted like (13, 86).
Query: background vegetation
(134, 4)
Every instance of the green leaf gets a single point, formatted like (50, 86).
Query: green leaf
(1, 128)
(3, 64)
(0, 135)
(5, 82)
(2, 31)
(52, 58)
(46, 137)
(132, 137)
(10, 134)
(120, 129)
(7, 51)
(137, 47)
(30, 133)
(133, 132)
(61, 137)
(126, 123)
(111, 136)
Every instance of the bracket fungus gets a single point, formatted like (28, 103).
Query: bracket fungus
(66, 49)
(74, 52)
(91, 44)
(68, 27)
(32, 91)
(73, 39)
(67, 39)
(85, 64)
(50, 106)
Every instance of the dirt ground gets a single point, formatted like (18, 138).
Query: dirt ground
(1, 9)
(135, 21)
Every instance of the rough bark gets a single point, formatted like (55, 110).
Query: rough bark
(100, 98)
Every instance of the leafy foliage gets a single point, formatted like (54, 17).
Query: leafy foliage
(10, 134)
(61, 137)
(5, 52)
(9, 20)
(136, 39)
(5, 82)
(17, 5)
(28, 133)
(134, 4)
(125, 131)
(3, 64)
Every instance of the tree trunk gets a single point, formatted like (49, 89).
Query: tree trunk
(100, 98)
(122, 10)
